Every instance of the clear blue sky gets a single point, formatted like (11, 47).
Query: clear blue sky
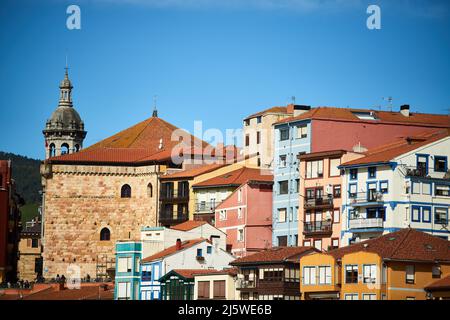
(214, 60)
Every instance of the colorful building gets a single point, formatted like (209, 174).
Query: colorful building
(10, 224)
(396, 266)
(439, 289)
(402, 184)
(191, 254)
(246, 216)
(127, 274)
(178, 284)
(320, 198)
(30, 251)
(215, 285)
(326, 128)
(210, 193)
(271, 274)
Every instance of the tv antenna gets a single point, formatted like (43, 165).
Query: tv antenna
(389, 100)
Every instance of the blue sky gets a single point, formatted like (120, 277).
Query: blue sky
(214, 60)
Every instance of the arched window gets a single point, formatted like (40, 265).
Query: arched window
(64, 148)
(77, 148)
(105, 234)
(52, 150)
(150, 190)
(125, 192)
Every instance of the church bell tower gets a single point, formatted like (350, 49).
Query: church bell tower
(64, 131)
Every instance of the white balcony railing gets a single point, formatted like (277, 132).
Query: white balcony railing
(366, 223)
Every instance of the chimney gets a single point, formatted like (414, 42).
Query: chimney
(178, 244)
(300, 109)
(404, 110)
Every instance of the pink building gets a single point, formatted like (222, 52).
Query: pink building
(246, 216)
(320, 216)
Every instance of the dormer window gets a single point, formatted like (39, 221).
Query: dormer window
(365, 115)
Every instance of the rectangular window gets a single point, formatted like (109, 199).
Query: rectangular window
(247, 140)
(282, 215)
(442, 190)
(440, 164)
(422, 165)
(283, 187)
(337, 191)
(436, 271)
(124, 264)
(369, 296)
(239, 195)
(223, 214)
(258, 119)
(240, 235)
(258, 137)
(415, 214)
(416, 188)
(219, 289)
(353, 174)
(384, 187)
(324, 275)
(282, 163)
(335, 243)
(318, 244)
(440, 215)
(336, 216)
(124, 291)
(203, 290)
(334, 164)
(351, 296)
(370, 273)
(426, 188)
(410, 274)
(239, 213)
(209, 249)
(282, 241)
(136, 264)
(297, 185)
(372, 172)
(309, 275)
(352, 190)
(314, 169)
(307, 243)
(426, 214)
(34, 243)
(199, 252)
(351, 273)
(284, 134)
(302, 131)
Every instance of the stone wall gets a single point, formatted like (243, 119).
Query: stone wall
(80, 201)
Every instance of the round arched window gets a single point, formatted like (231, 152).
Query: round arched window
(150, 190)
(105, 234)
(125, 191)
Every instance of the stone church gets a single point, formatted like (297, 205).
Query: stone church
(95, 196)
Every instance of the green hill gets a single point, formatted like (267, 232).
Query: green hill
(25, 172)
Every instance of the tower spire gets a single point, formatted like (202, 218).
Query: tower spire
(155, 111)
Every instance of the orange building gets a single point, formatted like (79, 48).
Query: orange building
(396, 266)
(319, 222)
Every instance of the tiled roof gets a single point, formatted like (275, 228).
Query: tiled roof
(276, 254)
(322, 154)
(229, 271)
(189, 273)
(405, 244)
(188, 225)
(194, 172)
(137, 144)
(282, 110)
(441, 284)
(237, 178)
(173, 249)
(347, 114)
(388, 152)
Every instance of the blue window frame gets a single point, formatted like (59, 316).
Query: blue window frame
(372, 172)
(384, 186)
(353, 174)
(427, 188)
(371, 191)
(415, 187)
(199, 252)
(440, 215)
(415, 214)
(209, 249)
(352, 190)
(422, 162)
(426, 214)
(440, 164)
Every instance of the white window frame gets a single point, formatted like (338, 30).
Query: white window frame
(324, 275)
(370, 272)
(309, 275)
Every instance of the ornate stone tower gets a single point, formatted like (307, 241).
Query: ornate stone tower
(64, 131)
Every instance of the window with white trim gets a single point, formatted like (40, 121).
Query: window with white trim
(124, 291)
(124, 264)
(351, 296)
(324, 275)
(240, 235)
(334, 164)
(223, 215)
(410, 274)
(282, 215)
(302, 131)
(369, 296)
(314, 169)
(309, 275)
(370, 273)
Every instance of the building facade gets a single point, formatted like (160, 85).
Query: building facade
(399, 185)
(30, 252)
(246, 217)
(216, 285)
(127, 272)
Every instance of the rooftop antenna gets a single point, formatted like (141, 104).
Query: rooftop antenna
(293, 99)
(155, 111)
(389, 100)
(67, 64)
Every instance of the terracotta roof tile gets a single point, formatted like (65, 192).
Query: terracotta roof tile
(237, 178)
(283, 110)
(405, 244)
(188, 225)
(173, 249)
(347, 114)
(388, 152)
(229, 271)
(189, 273)
(194, 172)
(276, 254)
(441, 284)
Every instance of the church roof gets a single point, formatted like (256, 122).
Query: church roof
(145, 142)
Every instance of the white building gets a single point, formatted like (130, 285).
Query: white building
(216, 285)
(190, 254)
(402, 184)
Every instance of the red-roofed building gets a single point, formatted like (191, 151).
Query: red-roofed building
(405, 183)
(439, 289)
(216, 284)
(271, 274)
(210, 193)
(396, 266)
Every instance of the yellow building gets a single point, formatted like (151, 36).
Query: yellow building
(396, 266)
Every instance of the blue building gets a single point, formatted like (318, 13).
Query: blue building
(291, 138)
(128, 258)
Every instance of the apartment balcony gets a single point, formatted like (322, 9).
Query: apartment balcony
(170, 219)
(206, 206)
(318, 203)
(317, 228)
(366, 223)
(169, 195)
(365, 199)
(416, 172)
(245, 284)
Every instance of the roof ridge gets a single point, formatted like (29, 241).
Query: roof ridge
(400, 242)
(148, 121)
